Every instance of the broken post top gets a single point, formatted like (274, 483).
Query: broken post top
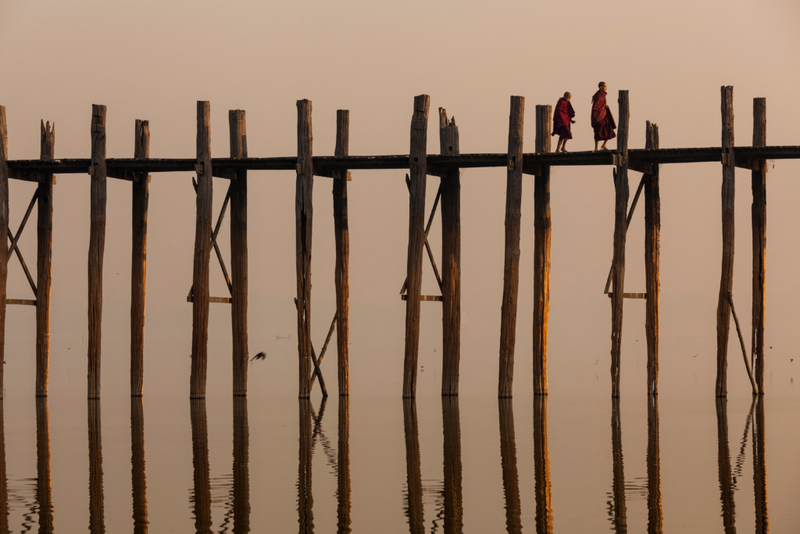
(238, 133)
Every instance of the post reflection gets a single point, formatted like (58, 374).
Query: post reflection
(451, 423)
(138, 475)
(96, 506)
(201, 495)
(655, 518)
(619, 514)
(544, 505)
(3, 479)
(760, 468)
(724, 468)
(44, 490)
(508, 460)
(413, 493)
(241, 467)
(305, 500)
(343, 468)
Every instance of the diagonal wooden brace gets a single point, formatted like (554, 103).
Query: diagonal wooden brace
(627, 225)
(214, 240)
(14, 239)
(427, 245)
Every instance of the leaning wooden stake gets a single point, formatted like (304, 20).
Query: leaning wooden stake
(3, 232)
(341, 230)
(44, 263)
(620, 231)
(759, 217)
(451, 258)
(652, 260)
(541, 254)
(303, 220)
(508, 319)
(416, 238)
(202, 253)
(726, 278)
(239, 275)
(97, 241)
(140, 196)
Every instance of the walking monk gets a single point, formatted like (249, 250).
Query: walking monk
(562, 117)
(602, 120)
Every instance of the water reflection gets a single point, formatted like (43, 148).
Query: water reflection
(201, 495)
(96, 506)
(618, 511)
(44, 490)
(451, 422)
(241, 467)
(541, 458)
(3, 478)
(138, 476)
(508, 459)
(413, 493)
(655, 518)
(760, 468)
(343, 471)
(305, 500)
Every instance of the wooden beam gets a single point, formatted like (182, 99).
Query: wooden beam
(304, 213)
(140, 196)
(44, 261)
(341, 230)
(451, 258)
(239, 261)
(21, 302)
(14, 238)
(508, 319)
(541, 255)
(202, 254)
(759, 219)
(416, 239)
(726, 277)
(652, 261)
(3, 232)
(97, 243)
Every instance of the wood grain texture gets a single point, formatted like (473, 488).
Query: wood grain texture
(3, 232)
(140, 197)
(239, 258)
(759, 219)
(202, 253)
(97, 243)
(418, 171)
(508, 317)
(304, 215)
(728, 220)
(44, 260)
(451, 257)
(652, 261)
(541, 253)
(341, 230)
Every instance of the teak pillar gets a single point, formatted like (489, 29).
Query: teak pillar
(726, 278)
(304, 213)
(418, 169)
(3, 232)
(451, 257)
(239, 275)
(140, 196)
(621, 187)
(652, 260)
(44, 262)
(541, 254)
(97, 241)
(202, 253)
(508, 319)
(341, 231)
(759, 216)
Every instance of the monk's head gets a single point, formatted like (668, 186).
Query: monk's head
(567, 96)
(603, 87)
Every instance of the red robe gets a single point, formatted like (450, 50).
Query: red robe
(561, 119)
(602, 120)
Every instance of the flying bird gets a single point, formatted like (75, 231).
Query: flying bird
(259, 356)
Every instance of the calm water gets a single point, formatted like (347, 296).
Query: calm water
(381, 464)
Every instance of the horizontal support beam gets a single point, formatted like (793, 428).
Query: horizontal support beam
(427, 298)
(212, 300)
(22, 302)
(629, 295)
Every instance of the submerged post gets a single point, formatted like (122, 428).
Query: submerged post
(97, 242)
(416, 238)
(620, 233)
(202, 253)
(726, 278)
(3, 232)
(341, 230)
(652, 260)
(508, 319)
(44, 261)
(239, 274)
(304, 213)
(541, 254)
(140, 197)
(451, 258)
(759, 216)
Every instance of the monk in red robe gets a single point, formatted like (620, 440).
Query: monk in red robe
(602, 120)
(562, 118)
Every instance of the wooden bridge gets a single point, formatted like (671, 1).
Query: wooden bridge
(419, 165)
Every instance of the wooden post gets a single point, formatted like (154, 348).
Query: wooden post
(343, 467)
(724, 468)
(541, 254)
(655, 516)
(620, 232)
(341, 231)
(202, 253)
(618, 479)
(96, 495)
(44, 263)
(760, 468)
(305, 498)
(3, 257)
(541, 458)
(97, 243)
(451, 258)
(652, 260)
(241, 466)
(138, 472)
(508, 460)
(418, 172)
(508, 320)
(3, 472)
(413, 505)
(239, 274)
(759, 216)
(453, 502)
(200, 464)
(304, 213)
(44, 486)
(140, 196)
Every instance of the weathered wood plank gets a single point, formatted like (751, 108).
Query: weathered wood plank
(21, 302)
(416, 239)
(140, 195)
(541, 255)
(97, 241)
(451, 257)
(759, 219)
(239, 258)
(341, 230)
(304, 213)
(508, 319)
(652, 261)
(44, 261)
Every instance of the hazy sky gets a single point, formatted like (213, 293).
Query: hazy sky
(154, 60)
